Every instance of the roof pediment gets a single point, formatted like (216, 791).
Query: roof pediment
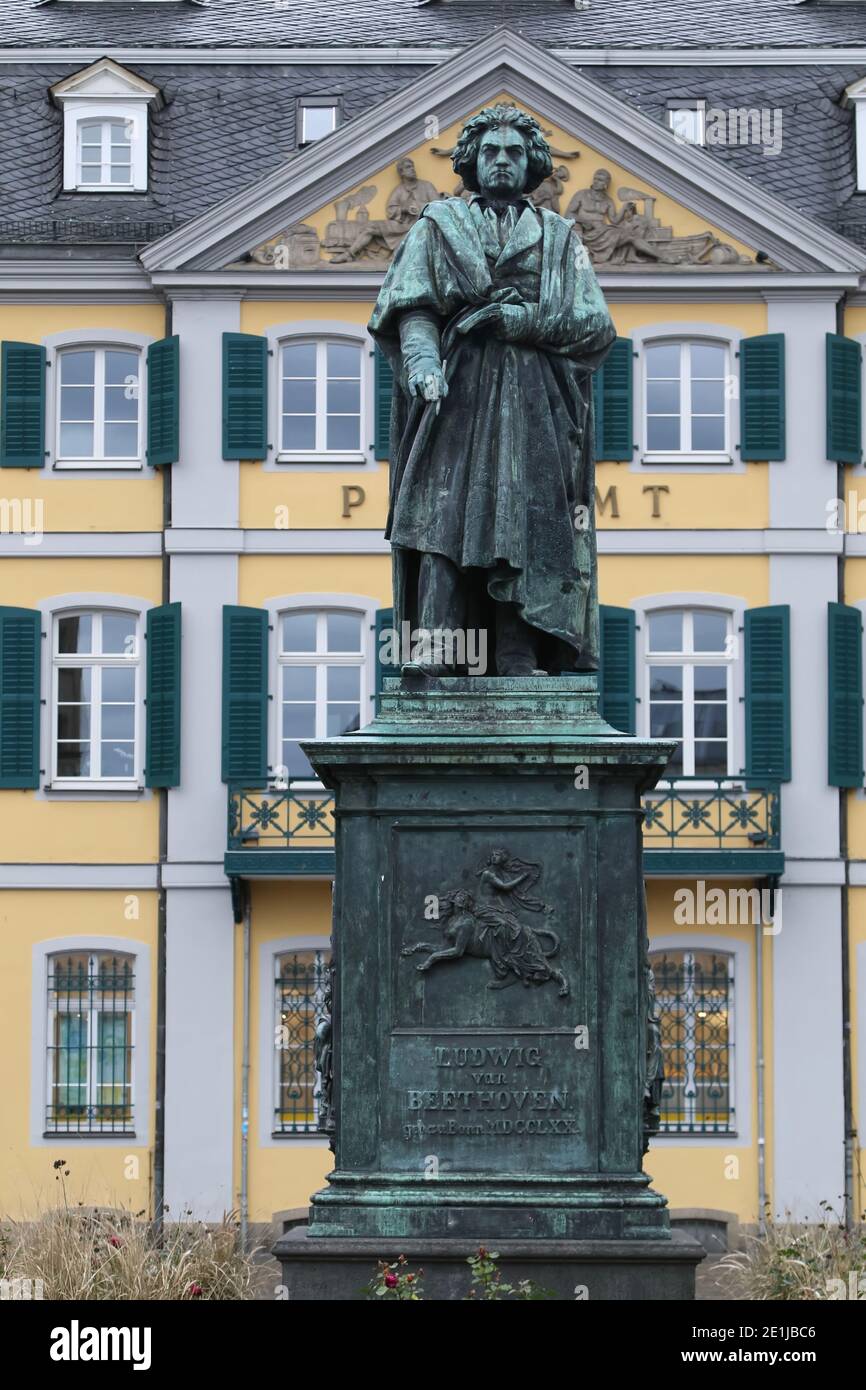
(105, 80)
(664, 196)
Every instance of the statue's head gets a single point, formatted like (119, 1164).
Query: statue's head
(498, 856)
(502, 153)
(601, 180)
(463, 900)
(406, 168)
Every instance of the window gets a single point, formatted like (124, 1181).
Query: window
(105, 153)
(321, 674)
(96, 698)
(316, 119)
(99, 406)
(687, 120)
(105, 114)
(695, 998)
(320, 398)
(301, 977)
(686, 408)
(91, 997)
(689, 678)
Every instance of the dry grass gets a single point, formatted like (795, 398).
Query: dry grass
(796, 1262)
(99, 1254)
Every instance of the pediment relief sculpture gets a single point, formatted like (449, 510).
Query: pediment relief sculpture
(626, 234)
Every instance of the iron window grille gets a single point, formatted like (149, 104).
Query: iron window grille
(299, 1001)
(91, 1002)
(695, 997)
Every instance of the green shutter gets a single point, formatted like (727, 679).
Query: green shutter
(612, 404)
(843, 399)
(245, 396)
(162, 759)
(22, 406)
(384, 387)
(245, 695)
(384, 619)
(762, 397)
(617, 628)
(845, 690)
(768, 699)
(20, 657)
(163, 402)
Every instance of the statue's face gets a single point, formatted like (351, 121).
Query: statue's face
(502, 162)
(406, 169)
(601, 180)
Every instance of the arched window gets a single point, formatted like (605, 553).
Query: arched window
(695, 999)
(322, 680)
(689, 687)
(91, 999)
(300, 982)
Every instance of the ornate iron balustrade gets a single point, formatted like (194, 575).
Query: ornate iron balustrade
(712, 813)
(691, 814)
(280, 818)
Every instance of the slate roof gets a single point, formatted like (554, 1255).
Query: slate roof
(225, 125)
(431, 23)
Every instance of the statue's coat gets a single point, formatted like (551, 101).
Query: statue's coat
(493, 480)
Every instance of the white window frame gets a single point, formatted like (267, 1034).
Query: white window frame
(78, 112)
(51, 1012)
(360, 605)
(321, 660)
(104, 125)
(697, 108)
(321, 338)
(693, 948)
(269, 953)
(685, 455)
(57, 659)
(39, 1035)
(688, 660)
(99, 460)
(306, 104)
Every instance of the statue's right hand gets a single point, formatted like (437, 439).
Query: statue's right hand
(427, 380)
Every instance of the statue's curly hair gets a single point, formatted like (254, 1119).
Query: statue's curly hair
(465, 156)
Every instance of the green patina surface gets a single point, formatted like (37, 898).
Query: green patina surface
(498, 1090)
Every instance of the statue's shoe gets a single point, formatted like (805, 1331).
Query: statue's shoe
(521, 668)
(418, 668)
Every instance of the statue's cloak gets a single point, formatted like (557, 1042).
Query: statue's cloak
(498, 477)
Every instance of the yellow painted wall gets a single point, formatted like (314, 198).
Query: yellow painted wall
(98, 1175)
(723, 1177)
(78, 832)
(70, 502)
(262, 577)
(624, 578)
(284, 1176)
(857, 936)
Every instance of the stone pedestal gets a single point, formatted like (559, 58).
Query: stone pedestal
(337, 1270)
(490, 989)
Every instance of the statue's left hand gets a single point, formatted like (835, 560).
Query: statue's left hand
(510, 322)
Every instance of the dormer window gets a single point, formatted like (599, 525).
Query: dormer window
(105, 109)
(686, 119)
(855, 96)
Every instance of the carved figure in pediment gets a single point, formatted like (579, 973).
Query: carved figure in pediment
(378, 238)
(550, 190)
(619, 235)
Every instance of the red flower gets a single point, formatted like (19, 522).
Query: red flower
(196, 1290)
(410, 1278)
(390, 1281)
(115, 1241)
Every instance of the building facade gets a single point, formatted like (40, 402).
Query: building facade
(202, 203)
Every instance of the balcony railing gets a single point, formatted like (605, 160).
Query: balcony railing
(707, 823)
(696, 823)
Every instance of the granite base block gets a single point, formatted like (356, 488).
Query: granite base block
(326, 1269)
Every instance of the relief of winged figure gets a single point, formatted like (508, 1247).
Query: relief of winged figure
(488, 928)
